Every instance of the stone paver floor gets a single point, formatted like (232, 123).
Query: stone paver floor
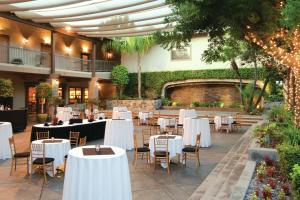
(145, 182)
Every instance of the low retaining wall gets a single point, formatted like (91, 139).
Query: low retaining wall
(137, 105)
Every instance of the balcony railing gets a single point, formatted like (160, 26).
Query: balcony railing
(22, 56)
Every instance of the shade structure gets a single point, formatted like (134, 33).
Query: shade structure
(95, 18)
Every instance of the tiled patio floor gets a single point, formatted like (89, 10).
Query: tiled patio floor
(145, 182)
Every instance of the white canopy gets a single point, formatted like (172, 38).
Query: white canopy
(95, 18)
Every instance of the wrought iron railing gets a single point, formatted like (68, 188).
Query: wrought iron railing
(23, 56)
(72, 63)
(105, 66)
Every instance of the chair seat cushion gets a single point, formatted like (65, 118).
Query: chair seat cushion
(66, 156)
(179, 125)
(22, 155)
(161, 153)
(39, 161)
(189, 149)
(143, 149)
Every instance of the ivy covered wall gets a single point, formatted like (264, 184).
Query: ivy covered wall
(152, 82)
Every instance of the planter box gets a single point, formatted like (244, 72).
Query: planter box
(137, 105)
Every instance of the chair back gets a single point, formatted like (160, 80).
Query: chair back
(135, 142)
(224, 120)
(38, 151)
(12, 146)
(146, 137)
(161, 145)
(42, 135)
(74, 138)
(82, 141)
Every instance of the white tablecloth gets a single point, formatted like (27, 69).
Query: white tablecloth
(57, 151)
(122, 115)
(163, 122)
(120, 108)
(119, 133)
(226, 119)
(143, 116)
(104, 177)
(64, 113)
(174, 145)
(183, 113)
(192, 127)
(5, 133)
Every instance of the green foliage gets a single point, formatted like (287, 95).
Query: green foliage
(41, 118)
(6, 88)
(56, 101)
(208, 104)
(269, 135)
(166, 102)
(291, 135)
(280, 114)
(120, 77)
(295, 175)
(289, 155)
(156, 80)
(291, 13)
(43, 90)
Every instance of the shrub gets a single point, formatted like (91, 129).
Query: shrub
(120, 77)
(196, 104)
(295, 175)
(289, 155)
(6, 88)
(281, 115)
(291, 135)
(166, 102)
(151, 94)
(269, 135)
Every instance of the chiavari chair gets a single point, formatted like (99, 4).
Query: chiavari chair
(82, 141)
(161, 153)
(42, 135)
(17, 155)
(237, 122)
(140, 151)
(192, 152)
(225, 124)
(74, 138)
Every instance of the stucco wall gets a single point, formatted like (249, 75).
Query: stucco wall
(159, 59)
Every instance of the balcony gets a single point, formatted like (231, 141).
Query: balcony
(17, 59)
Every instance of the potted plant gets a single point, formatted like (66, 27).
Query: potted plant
(55, 101)
(43, 93)
(6, 90)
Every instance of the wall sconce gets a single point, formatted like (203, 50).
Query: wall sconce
(57, 82)
(109, 55)
(47, 41)
(85, 50)
(98, 85)
(68, 28)
(25, 42)
(68, 50)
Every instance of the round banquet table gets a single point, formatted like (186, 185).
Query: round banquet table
(192, 127)
(97, 176)
(174, 145)
(122, 115)
(143, 116)
(183, 113)
(56, 150)
(93, 130)
(164, 122)
(5, 133)
(120, 108)
(226, 119)
(119, 133)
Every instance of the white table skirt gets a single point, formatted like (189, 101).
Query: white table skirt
(226, 119)
(120, 108)
(174, 145)
(119, 133)
(192, 127)
(122, 115)
(97, 177)
(5, 133)
(56, 151)
(164, 122)
(143, 116)
(184, 113)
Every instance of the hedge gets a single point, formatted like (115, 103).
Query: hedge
(152, 82)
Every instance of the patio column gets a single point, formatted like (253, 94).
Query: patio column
(54, 82)
(93, 66)
(93, 89)
(53, 39)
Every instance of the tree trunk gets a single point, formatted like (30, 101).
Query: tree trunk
(139, 77)
(250, 103)
(234, 66)
(262, 92)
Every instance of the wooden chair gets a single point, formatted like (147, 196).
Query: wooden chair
(161, 153)
(74, 138)
(140, 151)
(39, 161)
(82, 141)
(237, 122)
(42, 135)
(146, 137)
(17, 155)
(154, 127)
(225, 124)
(192, 152)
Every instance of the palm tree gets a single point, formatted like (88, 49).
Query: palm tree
(131, 45)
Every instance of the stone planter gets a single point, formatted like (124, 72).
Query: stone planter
(137, 105)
